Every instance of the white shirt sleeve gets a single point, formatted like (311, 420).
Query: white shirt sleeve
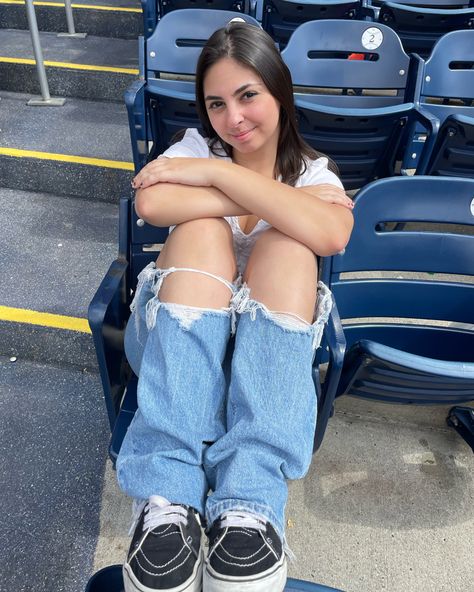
(193, 145)
(317, 172)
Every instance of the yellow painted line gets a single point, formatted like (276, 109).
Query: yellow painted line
(44, 319)
(109, 164)
(86, 6)
(90, 67)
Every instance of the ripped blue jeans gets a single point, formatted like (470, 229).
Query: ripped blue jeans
(212, 439)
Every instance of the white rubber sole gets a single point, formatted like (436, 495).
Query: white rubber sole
(194, 584)
(272, 581)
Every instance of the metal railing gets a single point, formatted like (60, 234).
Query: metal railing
(70, 23)
(46, 100)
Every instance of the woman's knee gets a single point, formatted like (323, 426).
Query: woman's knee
(282, 273)
(203, 245)
(205, 241)
(281, 255)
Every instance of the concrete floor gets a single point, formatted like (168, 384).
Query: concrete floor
(387, 505)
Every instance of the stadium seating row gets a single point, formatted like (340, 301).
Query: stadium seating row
(418, 23)
(425, 359)
(369, 115)
(164, 103)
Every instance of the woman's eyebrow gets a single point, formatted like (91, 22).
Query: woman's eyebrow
(238, 91)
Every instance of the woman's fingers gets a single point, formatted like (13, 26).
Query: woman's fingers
(185, 171)
(149, 174)
(329, 193)
(342, 200)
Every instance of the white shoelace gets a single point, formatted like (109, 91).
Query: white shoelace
(158, 512)
(243, 519)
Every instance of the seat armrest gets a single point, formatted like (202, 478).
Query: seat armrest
(336, 345)
(431, 124)
(108, 313)
(135, 103)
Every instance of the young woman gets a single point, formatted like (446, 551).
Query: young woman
(250, 206)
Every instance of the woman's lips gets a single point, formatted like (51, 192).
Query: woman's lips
(243, 135)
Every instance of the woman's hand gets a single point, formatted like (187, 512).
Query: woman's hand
(329, 193)
(183, 171)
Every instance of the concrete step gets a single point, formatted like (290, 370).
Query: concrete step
(53, 440)
(121, 19)
(81, 149)
(94, 68)
(55, 251)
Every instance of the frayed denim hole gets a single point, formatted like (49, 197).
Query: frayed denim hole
(185, 316)
(323, 310)
(152, 307)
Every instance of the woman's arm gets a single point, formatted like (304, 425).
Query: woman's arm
(322, 226)
(167, 204)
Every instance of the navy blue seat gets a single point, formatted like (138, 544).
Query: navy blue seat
(233, 5)
(109, 579)
(361, 111)
(281, 17)
(139, 244)
(419, 27)
(153, 10)
(151, 14)
(453, 151)
(409, 331)
(429, 3)
(164, 102)
(374, 5)
(447, 91)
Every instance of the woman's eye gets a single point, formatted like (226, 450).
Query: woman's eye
(249, 94)
(215, 104)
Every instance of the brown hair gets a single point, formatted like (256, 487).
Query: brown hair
(253, 48)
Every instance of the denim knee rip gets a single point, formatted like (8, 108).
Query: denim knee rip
(241, 302)
(152, 277)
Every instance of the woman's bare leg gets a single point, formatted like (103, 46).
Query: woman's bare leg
(204, 245)
(282, 275)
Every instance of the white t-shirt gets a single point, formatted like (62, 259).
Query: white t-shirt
(193, 145)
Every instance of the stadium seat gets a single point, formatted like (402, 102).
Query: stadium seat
(151, 15)
(139, 244)
(447, 91)
(153, 10)
(163, 103)
(409, 330)
(281, 17)
(453, 151)
(419, 27)
(233, 5)
(374, 5)
(357, 111)
(109, 579)
(429, 3)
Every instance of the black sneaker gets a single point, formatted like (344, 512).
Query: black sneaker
(245, 554)
(165, 553)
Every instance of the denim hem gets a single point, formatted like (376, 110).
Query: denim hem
(216, 510)
(151, 278)
(241, 302)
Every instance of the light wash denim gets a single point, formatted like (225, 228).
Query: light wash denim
(208, 440)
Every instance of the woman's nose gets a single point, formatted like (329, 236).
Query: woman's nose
(234, 116)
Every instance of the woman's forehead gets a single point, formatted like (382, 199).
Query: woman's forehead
(229, 74)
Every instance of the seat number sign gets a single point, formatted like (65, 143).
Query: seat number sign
(372, 38)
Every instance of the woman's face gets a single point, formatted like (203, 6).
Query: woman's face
(240, 107)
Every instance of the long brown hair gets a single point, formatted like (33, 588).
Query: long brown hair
(251, 47)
